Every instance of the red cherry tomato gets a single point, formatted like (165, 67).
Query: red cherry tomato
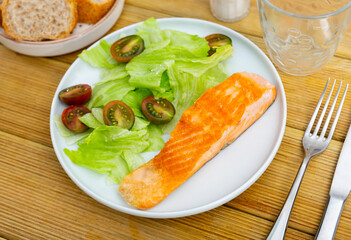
(217, 40)
(158, 111)
(117, 113)
(124, 49)
(70, 118)
(76, 95)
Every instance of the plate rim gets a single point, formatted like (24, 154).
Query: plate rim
(192, 211)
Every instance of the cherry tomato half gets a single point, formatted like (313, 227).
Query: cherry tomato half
(76, 95)
(124, 49)
(158, 111)
(217, 40)
(117, 113)
(70, 118)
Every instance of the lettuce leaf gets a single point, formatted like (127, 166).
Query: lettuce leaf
(108, 74)
(108, 91)
(112, 140)
(102, 150)
(196, 45)
(90, 120)
(119, 170)
(98, 114)
(155, 138)
(99, 56)
(146, 70)
(199, 66)
(133, 160)
(140, 124)
(70, 137)
(134, 98)
(154, 38)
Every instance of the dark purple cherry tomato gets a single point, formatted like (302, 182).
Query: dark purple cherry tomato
(70, 118)
(158, 111)
(76, 95)
(124, 49)
(117, 113)
(217, 40)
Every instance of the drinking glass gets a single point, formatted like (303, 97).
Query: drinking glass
(302, 35)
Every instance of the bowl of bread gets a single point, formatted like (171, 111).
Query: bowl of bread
(55, 27)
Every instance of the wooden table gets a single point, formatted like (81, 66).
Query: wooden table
(39, 201)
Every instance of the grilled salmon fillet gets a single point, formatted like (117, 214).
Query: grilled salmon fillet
(215, 120)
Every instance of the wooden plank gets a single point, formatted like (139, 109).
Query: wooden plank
(27, 87)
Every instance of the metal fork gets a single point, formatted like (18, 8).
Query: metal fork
(313, 145)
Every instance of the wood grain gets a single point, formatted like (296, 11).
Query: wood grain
(39, 201)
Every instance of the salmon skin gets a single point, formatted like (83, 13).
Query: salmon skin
(215, 120)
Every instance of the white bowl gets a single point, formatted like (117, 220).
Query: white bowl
(82, 35)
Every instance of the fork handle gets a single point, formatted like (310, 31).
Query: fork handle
(281, 224)
(330, 219)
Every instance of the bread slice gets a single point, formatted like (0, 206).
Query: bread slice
(37, 20)
(91, 11)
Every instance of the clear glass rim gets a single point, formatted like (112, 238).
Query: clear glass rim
(340, 10)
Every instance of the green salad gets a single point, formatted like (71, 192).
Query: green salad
(173, 65)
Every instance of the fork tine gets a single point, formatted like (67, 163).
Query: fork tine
(330, 135)
(325, 127)
(310, 125)
(324, 110)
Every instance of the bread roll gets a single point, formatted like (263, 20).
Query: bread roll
(91, 11)
(37, 20)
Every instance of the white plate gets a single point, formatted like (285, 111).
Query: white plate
(223, 178)
(82, 35)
